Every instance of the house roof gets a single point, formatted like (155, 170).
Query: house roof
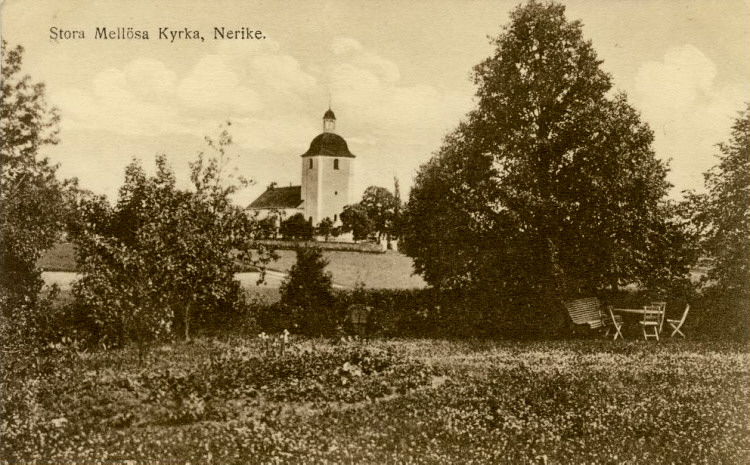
(328, 144)
(279, 198)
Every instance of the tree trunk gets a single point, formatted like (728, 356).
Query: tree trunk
(187, 321)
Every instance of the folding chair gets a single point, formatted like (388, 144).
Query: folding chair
(677, 324)
(612, 321)
(652, 317)
(663, 307)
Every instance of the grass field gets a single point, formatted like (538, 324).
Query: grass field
(390, 270)
(231, 401)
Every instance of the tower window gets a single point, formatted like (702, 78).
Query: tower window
(335, 217)
(336, 164)
(310, 164)
(335, 192)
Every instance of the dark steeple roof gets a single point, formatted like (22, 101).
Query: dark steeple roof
(279, 197)
(329, 115)
(328, 144)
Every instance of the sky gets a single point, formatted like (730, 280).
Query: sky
(397, 75)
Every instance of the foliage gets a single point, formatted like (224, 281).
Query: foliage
(325, 228)
(33, 199)
(398, 217)
(722, 214)
(402, 401)
(163, 257)
(308, 288)
(381, 206)
(355, 219)
(297, 227)
(268, 227)
(550, 186)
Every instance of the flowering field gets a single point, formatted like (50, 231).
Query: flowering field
(263, 400)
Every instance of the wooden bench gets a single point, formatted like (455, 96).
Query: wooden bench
(585, 312)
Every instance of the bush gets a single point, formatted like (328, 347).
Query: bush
(306, 293)
(297, 227)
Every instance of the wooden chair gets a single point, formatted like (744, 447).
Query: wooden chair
(677, 324)
(652, 317)
(663, 308)
(612, 321)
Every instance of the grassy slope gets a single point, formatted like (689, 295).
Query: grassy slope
(561, 402)
(389, 270)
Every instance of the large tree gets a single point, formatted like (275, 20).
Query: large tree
(33, 199)
(550, 186)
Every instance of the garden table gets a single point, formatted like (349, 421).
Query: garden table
(639, 311)
(635, 311)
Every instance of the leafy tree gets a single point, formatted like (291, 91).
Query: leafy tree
(164, 257)
(309, 288)
(297, 227)
(722, 214)
(550, 186)
(33, 199)
(354, 219)
(380, 205)
(325, 228)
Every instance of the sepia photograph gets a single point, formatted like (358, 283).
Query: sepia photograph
(375, 232)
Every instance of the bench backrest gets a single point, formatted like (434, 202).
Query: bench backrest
(585, 311)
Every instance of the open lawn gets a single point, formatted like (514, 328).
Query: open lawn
(390, 401)
(390, 270)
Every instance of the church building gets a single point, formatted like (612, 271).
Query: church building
(327, 170)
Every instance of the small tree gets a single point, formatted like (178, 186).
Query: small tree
(354, 219)
(380, 205)
(163, 255)
(296, 227)
(325, 228)
(309, 288)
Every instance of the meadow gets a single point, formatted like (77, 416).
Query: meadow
(251, 400)
(389, 270)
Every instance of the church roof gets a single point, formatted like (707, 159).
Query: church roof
(328, 144)
(279, 198)
(329, 115)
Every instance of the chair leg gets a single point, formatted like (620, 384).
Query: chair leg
(676, 331)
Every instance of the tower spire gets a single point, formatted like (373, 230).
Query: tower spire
(329, 119)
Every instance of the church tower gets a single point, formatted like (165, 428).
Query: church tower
(327, 169)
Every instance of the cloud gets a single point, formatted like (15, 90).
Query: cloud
(342, 45)
(675, 84)
(213, 85)
(275, 100)
(687, 109)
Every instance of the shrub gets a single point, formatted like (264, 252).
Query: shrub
(297, 227)
(308, 288)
